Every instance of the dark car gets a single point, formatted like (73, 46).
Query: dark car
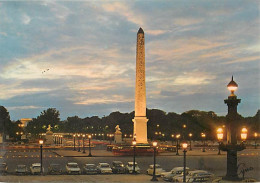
(54, 169)
(3, 168)
(90, 169)
(21, 169)
(118, 167)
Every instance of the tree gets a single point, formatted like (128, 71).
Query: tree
(40, 124)
(5, 122)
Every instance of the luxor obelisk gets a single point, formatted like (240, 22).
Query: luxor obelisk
(140, 120)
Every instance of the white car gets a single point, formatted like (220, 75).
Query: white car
(104, 168)
(158, 170)
(35, 168)
(194, 176)
(168, 176)
(72, 168)
(130, 167)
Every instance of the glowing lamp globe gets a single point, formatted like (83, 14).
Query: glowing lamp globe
(232, 86)
(184, 145)
(89, 136)
(41, 142)
(220, 133)
(243, 134)
(154, 144)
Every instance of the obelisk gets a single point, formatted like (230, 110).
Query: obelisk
(140, 120)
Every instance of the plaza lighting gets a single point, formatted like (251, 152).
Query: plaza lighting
(255, 135)
(78, 143)
(41, 143)
(232, 147)
(203, 135)
(177, 146)
(74, 145)
(243, 134)
(220, 138)
(83, 145)
(89, 147)
(232, 87)
(134, 145)
(190, 135)
(154, 161)
(184, 146)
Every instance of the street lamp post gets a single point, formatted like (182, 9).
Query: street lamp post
(134, 145)
(220, 138)
(61, 139)
(110, 139)
(172, 138)
(154, 161)
(190, 135)
(83, 145)
(41, 142)
(255, 135)
(203, 135)
(231, 127)
(74, 142)
(89, 146)
(184, 146)
(78, 143)
(177, 145)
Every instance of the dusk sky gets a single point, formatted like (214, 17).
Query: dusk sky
(192, 50)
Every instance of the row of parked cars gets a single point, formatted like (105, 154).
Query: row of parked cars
(73, 168)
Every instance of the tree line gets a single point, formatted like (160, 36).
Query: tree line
(161, 125)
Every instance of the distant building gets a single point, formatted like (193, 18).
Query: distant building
(25, 121)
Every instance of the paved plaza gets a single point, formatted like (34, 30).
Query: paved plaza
(196, 159)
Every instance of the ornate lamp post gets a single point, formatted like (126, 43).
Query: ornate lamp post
(184, 128)
(190, 135)
(78, 143)
(154, 161)
(110, 139)
(231, 126)
(203, 135)
(89, 146)
(41, 142)
(177, 145)
(220, 138)
(83, 145)
(184, 146)
(74, 144)
(255, 135)
(134, 145)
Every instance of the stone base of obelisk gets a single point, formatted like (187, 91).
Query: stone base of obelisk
(140, 130)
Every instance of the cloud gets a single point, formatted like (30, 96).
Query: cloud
(26, 19)
(24, 107)
(3, 34)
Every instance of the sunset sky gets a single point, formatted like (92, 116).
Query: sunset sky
(79, 56)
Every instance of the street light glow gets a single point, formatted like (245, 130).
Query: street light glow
(184, 145)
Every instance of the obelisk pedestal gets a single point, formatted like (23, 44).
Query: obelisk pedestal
(140, 120)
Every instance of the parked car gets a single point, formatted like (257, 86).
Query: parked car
(90, 169)
(158, 170)
(21, 169)
(35, 168)
(130, 167)
(118, 167)
(195, 176)
(54, 169)
(3, 168)
(104, 168)
(72, 168)
(168, 176)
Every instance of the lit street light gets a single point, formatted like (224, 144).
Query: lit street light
(203, 135)
(184, 146)
(243, 134)
(74, 143)
(255, 135)
(190, 135)
(78, 143)
(134, 145)
(83, 145)
(231, 127)
(172, 138)
(220, 138)
(89, 146)
(177, 145)
(154, 161)
(41, 142)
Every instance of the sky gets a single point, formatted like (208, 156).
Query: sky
(79, 56)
